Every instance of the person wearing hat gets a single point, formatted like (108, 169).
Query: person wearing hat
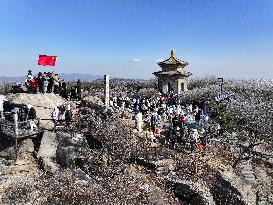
(29, 72)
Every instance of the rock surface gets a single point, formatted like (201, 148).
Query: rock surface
(43, 104)
(47, 151)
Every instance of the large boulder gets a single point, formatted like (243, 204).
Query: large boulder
(92, 101)
(190, 192)
(43, 104)
(47, 152)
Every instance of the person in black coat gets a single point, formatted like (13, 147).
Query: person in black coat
(31, 117)
(198, 116)
(64, 90)
(31, 113)
(79, 89)
(40, 82)
(68, 117)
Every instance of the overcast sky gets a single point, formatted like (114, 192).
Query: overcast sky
(227, 38)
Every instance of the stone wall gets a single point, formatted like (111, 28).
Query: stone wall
(177, 84)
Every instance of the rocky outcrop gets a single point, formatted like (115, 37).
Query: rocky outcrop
(190, 192)
(43, 104)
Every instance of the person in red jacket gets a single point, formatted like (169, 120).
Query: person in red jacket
(182, 120)
(34, 85)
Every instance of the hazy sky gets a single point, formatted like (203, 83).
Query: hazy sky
(229, 38)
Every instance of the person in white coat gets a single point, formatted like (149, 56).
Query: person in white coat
(55, 114)
(193, 139)
(139, 121)
(178, 109)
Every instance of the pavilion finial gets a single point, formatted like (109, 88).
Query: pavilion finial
(173, 53)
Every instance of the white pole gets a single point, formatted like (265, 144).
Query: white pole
(106, 90)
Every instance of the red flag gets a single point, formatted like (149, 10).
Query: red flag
(42, 60)
(45, 60)
(51, 60)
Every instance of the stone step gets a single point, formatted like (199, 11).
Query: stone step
(248, 174)
(247, 170)
(262, 200)
(244, 163)
(250, 179)
(246, 167)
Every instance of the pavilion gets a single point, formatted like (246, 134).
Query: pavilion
(173, 77)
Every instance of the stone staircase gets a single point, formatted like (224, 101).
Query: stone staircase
(264, 195)
(248, 173)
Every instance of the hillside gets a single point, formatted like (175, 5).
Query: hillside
(111, 162)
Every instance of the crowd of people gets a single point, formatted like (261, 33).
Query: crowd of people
(181, 123)
(27, 113)
(62, 113)
(47, 82)
(50, 82)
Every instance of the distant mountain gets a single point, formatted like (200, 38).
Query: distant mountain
(66, 77)
(4, 79)
(76, 76)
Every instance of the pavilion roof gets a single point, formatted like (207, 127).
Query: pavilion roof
(173, 72)
(173, 61)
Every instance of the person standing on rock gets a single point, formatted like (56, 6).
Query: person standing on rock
(153, 122)
(64, 90)
(55, 115)
(50, 82)
(27, 83)
(79, 89)
(2, 99)
(31, 117)
(40, 82)
(55, 79)
(68, 117)
(194, 139)
(44, 83)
